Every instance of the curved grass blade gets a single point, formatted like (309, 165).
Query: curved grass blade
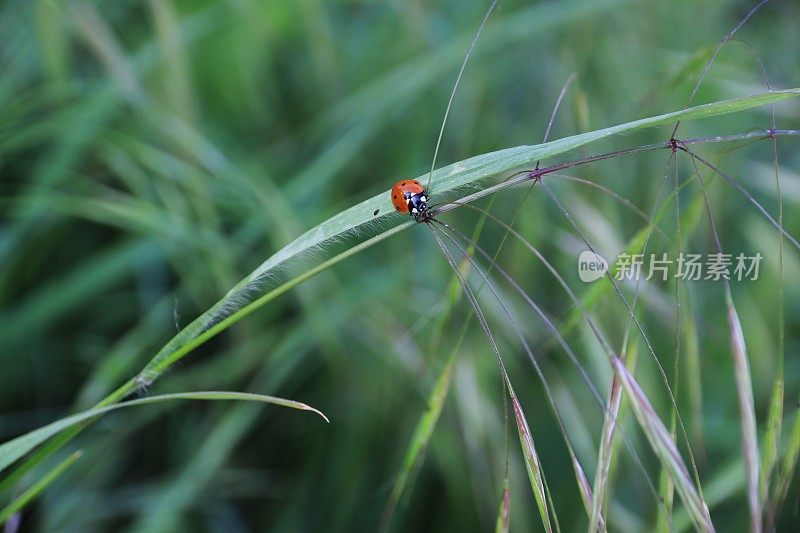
(169, 504)
(128, 387)
(445, 180)
(234, 304)
(15, 448)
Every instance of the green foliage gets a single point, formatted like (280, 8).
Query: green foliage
(155, 153)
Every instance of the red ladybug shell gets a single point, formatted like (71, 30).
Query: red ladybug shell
(402, 191)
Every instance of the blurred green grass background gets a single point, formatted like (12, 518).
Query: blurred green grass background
(153, 153)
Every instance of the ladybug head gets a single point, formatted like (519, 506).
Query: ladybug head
(417, 204)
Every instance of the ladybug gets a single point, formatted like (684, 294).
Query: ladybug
(409, 196)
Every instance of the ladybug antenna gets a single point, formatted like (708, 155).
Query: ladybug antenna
(455, 86)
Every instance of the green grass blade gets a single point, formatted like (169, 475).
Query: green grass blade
(15, 448)
(723, 484)
(53, 39)
(504, 510)
(154, 371)
(445, 180)
(176, 70)
(789, 463)
(463, 173)
(663, 446)
(165, 359)
(772, 436)
(666, 492)
(584, 487)
(532, 464)
(744, 393)
(694, 375)
(422, 435)
(34, 490)
(604, 455)
(173, 499)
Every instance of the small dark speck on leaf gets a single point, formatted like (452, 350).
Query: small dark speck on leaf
(375, 212)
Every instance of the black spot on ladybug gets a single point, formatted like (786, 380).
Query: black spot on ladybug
(404, 184)
(394, 196)
(375, 212)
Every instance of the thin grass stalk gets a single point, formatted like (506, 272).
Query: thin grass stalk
(666, 487)
(612, 408)
(426, 425)
(727, 37)
(617, 197)
(615, 285)
(554, 330)
(455, 88)
(744, 387)
(775, 416)
(530, 455)
(744, 192)
(583, 485)
(579, 473)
